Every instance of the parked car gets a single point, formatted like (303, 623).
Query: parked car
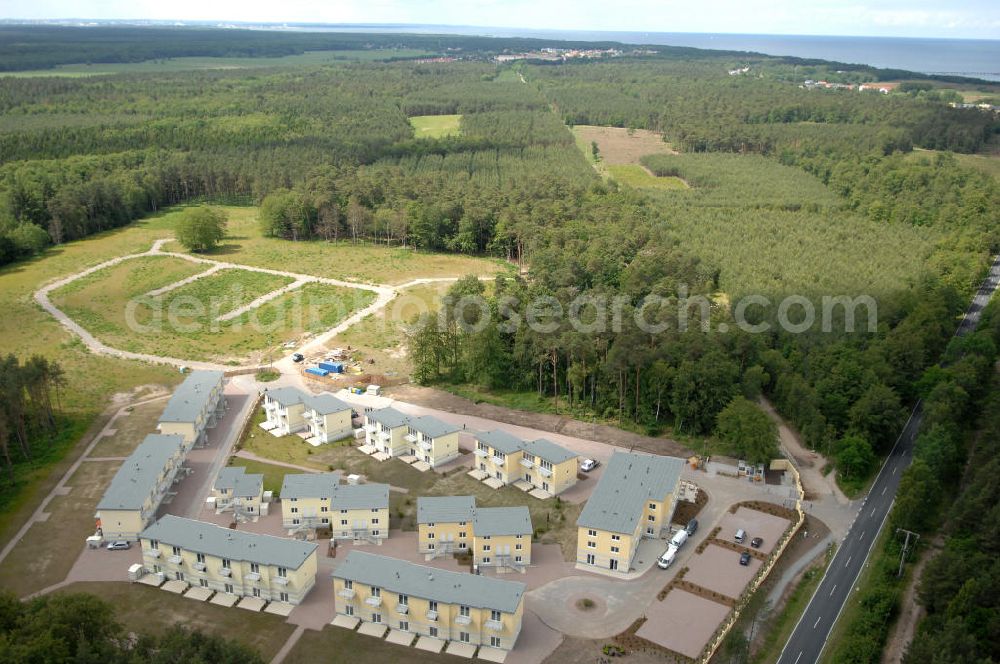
(667, 559)
(756, 542)
(298, 357)
(679, 538)
(745, 558)
(588, 465)
(741, 535)
(692, 526)
(119, 545)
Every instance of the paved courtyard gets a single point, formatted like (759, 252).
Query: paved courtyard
(756, 524)
(682, 622)
(717, 568)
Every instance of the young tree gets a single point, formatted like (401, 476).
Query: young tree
(854, 456)
(201, 228)
(749, 432)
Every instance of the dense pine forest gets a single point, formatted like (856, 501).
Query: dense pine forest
(852, 193)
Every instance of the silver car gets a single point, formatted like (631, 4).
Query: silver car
(120, 545)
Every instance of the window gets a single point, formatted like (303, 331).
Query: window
(282, 572)
(430, 547)
(283, 597)
(256, 592)
(463, 637)
(177, 550)
(376, 591)
(592, 533)
(343, 522)
(295, 510)
(156, 569)
(651, 517)
(375, 510)
(255, 568)
(375, 521)
(404, 625)
(591, 559)
(432, 631)
(486, 537)
(203, 583)
(652, 506)
(376, 617)
(154, 544)
(295, 522)
(403, 599)
(615, 549)
(616, 538)
(294, 500)
(486, 547)
(324, 508)
(495, 641)
(343, 511)
(519, 537)
(349, 610)
(494, 615)
(348, 584)
(517, 559)
(376, 533)
(326, 520)
(228, 588)
(518, 547)
(201, 558)
(463, 610)
(591, 544)
(461, 523)
(613, 564)
(430, 525)
(462, 545)
(430, 535)
(432, 606)
(486, 560)
(461, 534)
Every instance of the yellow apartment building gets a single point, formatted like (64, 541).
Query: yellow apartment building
(450, 606)
(236, 562)
(385, 432)
(496, 536)
(635, 498)
(432, 441)
(195, 406)
(284, 410)
(238, 492)
(328, 417)
(130, 502)
(351, 511)
(541, 463)
(289, 410)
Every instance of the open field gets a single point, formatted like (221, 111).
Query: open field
(619, 146)
(318, 646)
(141, 608)
(639, 177)
(49, 549)
(207, 63)
(130, 430)
(436, 126)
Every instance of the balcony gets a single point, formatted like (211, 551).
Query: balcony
(199, 566)
(410, 438)
(463, 620)
(402, 609)
(385, 435)
(432, 616)
(374, 600)
(544, 472)
(346, 593)
(494, 625)
(153, 553)
(225, 571)
(371, 428)
(526, 463)
(253, 576)
(426, 446)
(482, 454)
(281, 580)
(499, 461)
(175, 560)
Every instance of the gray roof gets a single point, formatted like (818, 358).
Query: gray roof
(190, 398)
(287, 396)
(136, 478)
(310, 485)
(236, 479)
(501, 521)
(432, 426)
(431, 583)
(360, 496)
(324, 404)
(390, 417)
(628, 481)
(213, 540)
(500, 440)
(549, 451)
(445, 509)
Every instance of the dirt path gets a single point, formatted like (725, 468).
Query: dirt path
(446, 401)
(902, 631)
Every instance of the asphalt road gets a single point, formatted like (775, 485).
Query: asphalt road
(809, 637)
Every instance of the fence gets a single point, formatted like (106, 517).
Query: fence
(765, 570)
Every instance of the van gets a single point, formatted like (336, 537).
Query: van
(740, 536)
(680, 537)
(667, 559)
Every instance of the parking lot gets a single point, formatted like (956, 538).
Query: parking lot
(756, 524)
(682, 622)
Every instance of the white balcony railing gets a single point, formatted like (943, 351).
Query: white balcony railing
(526, 463)
(253, 576)
(499, 461)
(385, 435)
(482, 454)
(402, 609)
(374, 600)
(346, 593)
(199, 566)
(225, 571)
(371, 428)
(410, 438)
(175, 560)
(432, 616)
(462, 620)
(427, 447)
(281, 580)
(544, 472)
(153, 553)
(494, 625)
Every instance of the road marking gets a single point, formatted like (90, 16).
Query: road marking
(894, 469)
(883, 490)
(832, 589)
(848, 561)
(873, 511)
(862, 534)
(817, 622)
(798, 658)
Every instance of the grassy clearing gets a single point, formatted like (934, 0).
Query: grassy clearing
(130, 429)
(273, 475)
(554, 520)
(152, 611)
(317, 647)
(310, 58)
(49, 549)
(435, 126)
(619, 146)
(638, 177)
(222, 292)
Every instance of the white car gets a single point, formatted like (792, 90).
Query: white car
(588, 465)
(667, 559)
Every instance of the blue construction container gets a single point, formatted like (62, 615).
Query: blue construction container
(332, 367)
(316, 371)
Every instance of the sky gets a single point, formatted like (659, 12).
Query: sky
(962, 19)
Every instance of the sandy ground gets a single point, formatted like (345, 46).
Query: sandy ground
(682, 622)
(617, 146)
(719, 569)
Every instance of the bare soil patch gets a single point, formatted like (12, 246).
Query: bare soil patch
(621, 146)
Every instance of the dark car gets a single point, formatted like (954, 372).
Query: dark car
(298, 357)
(756, 542)
(745, 558)
(692, 526)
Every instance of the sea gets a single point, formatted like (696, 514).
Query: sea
(976, 58)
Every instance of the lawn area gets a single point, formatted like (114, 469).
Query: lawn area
(554, 520)
(49, 549)
(150, 610)
(435, 126)
(273, 475)
(318, 646)
(634, 175)
(130, 429)
(309, 58)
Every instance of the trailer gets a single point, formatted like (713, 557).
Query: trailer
(316, 371)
